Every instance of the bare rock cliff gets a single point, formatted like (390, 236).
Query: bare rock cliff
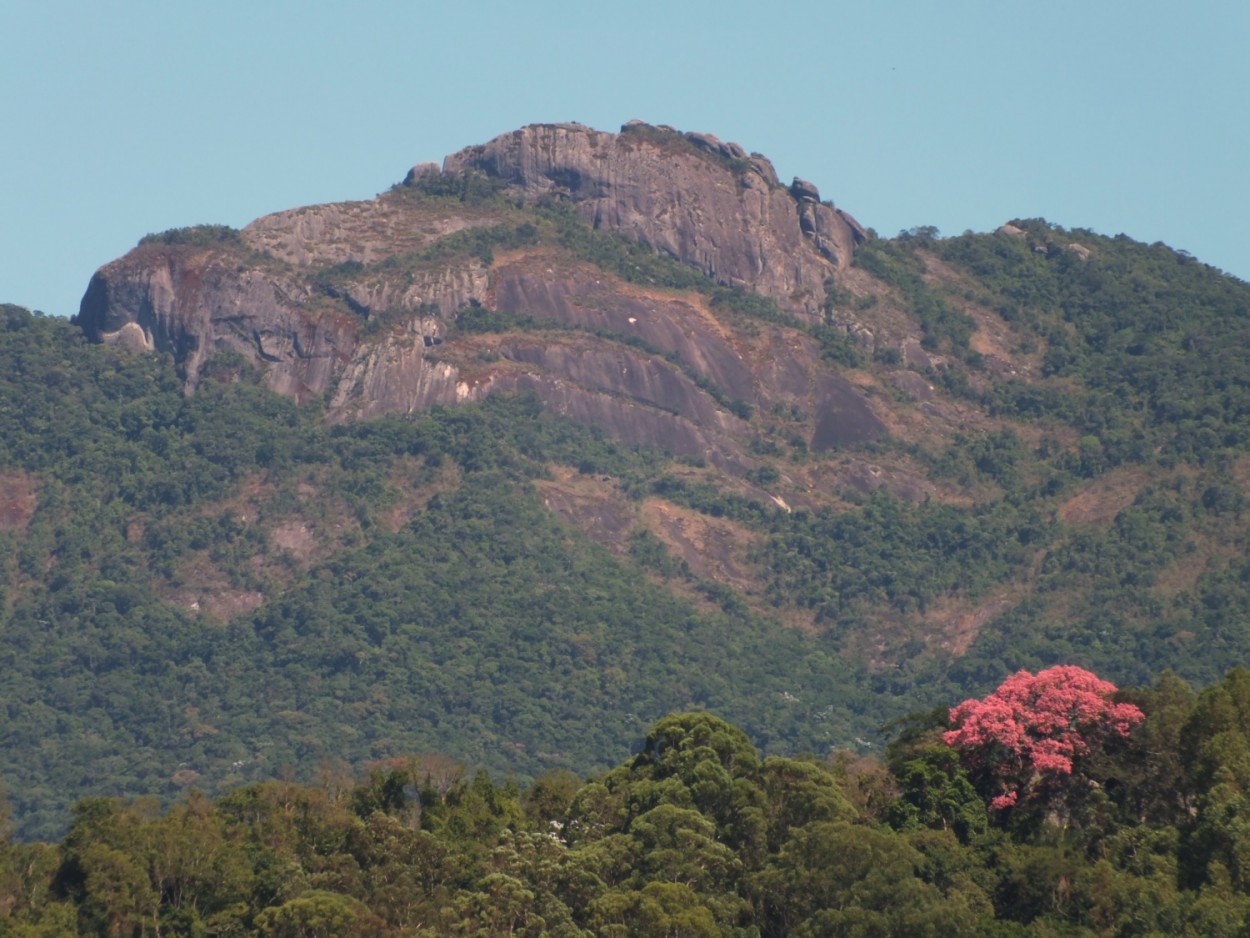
(356, 304)
(707, 203)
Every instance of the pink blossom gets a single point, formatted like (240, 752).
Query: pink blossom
(1034, 727)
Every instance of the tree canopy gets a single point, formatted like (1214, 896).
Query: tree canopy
(1031, 732)
(696, 834)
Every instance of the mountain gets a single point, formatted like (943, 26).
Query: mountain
(360, 303)
(583, 428)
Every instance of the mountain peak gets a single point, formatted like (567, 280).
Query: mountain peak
(615, 246)
(706, 203)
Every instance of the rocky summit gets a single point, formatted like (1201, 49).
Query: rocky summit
(663, 286)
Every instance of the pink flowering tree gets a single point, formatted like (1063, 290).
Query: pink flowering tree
(1024, 740)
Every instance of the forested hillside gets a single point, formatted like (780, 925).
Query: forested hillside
(209, 589)
(203, 590)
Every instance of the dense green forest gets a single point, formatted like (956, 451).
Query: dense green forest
(697, 834)
(482, 627)
(219, 589)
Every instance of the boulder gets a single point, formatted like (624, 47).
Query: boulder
(421, 172)
(804, 191)
(764, 169)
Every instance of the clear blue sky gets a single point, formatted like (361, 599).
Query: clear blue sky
(117, 119)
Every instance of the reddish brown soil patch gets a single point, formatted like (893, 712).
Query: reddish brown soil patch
(246, 501)
(932, 423)
(899, 476)
(889, 323)
(995, 338)
(295, 536)
(948, 629)
(313, 531)
(1205, 552)
(17, 501)
(714, 549)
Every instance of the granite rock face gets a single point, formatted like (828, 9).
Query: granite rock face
(356, 303)
(193, 303)
(704, 202)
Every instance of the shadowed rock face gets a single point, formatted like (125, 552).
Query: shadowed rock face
(192, 303)
(355, 303)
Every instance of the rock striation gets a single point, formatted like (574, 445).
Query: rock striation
(356, 304)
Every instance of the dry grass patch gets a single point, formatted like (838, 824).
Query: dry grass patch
(593, 504)
(1105, 497)
(18, 500)
(206, 590)
(713, 548)
(1205, 552)
(954, 624)
(416, 483)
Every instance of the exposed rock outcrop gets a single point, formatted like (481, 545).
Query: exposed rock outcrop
(355, 303)
(194, 302)
(704, 202)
